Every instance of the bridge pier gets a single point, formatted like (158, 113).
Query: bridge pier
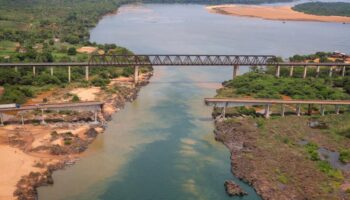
(51, 71)
(87, 73)
(291, 71)
(305, 72)
(1, 119)
(69, 74)
(298, 110)
(235, 71)
(337, 109)
(283, 109)
(343, 71)
(278, 71)
(22, 120)
(267, 111)
(136, 75)
(330, 71)
(322, 110)
(309, 109)
(42, 117)
(33, 70)
(317, 71)
(16, 69)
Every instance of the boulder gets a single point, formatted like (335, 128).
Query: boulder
(233, 189)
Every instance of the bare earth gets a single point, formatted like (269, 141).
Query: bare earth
(29, 153)
(284, 13)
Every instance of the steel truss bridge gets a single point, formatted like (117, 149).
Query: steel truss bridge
(159, 60)
(137, 61)
(174, 60)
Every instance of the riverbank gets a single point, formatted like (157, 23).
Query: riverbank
(30, 153)
(291, 157)
(281, 13)
(273, 159)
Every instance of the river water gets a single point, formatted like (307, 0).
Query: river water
(161, 146)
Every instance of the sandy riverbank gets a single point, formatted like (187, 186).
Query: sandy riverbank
(283, 13)
(30, 153)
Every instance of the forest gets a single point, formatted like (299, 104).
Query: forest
(324, 8)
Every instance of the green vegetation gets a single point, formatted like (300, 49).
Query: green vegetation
(262, 85)
(320, 56)
(312, 150)
(344, 156)
(75, 98)
(325, 167)
(324, 8)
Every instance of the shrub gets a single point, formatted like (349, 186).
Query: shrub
(344, 156)
(75, 98)
(100, 82)
(128, 71)
(72, 51)
(312, 150)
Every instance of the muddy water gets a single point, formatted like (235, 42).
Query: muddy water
(161, 146)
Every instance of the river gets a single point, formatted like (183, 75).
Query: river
(162, 146)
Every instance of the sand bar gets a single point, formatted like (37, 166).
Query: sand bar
(284, 13)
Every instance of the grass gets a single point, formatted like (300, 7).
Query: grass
(312, 150)
(344, 155)
(325, 167)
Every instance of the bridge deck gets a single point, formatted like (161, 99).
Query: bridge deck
(175, 60)
(82, 64)
(56, 106)
(234, 101)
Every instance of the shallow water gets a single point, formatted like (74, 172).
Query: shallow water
(161, 146)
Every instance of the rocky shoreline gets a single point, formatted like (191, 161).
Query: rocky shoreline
(26, 188)
(270, 159)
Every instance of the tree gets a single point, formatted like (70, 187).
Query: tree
(72, 51)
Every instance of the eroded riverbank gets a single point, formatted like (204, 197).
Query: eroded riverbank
(30, 153)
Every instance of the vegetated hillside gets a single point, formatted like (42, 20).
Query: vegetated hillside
(324, 8)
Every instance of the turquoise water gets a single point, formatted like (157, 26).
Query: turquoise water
(162, 146)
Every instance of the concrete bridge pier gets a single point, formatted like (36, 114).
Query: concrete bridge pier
(33, 70)
(283, 109)
(322, 110)
(291, 71)
(343, 72)
(278, 71)
(22, 119)
(16, 69)
(309, 109)
(42, 117)
(330, 71)
(69, 74)
(267, 111)
(235, 71)
(337, 109)
(317, 71)
(305, 72)
(51, 71)
(298, 109)
(136, 75)
(1, 119)
(87, 73)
